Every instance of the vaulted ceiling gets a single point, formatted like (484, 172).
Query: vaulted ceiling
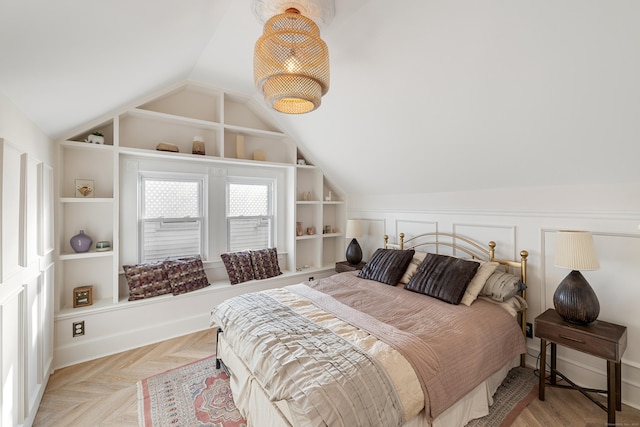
(426, 96)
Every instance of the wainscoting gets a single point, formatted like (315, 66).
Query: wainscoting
(26, 283)
(617, 282)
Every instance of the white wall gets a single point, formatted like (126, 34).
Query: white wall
(527, 218)
(26, 267)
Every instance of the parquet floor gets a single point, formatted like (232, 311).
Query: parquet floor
(103, 392)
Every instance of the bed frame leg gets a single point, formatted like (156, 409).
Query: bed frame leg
(218, 360)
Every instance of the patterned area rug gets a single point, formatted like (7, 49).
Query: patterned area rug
(198, 394)
(517, 390)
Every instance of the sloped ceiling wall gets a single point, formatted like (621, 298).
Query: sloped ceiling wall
(426, 96)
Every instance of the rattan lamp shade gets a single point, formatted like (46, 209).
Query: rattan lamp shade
(291, 63)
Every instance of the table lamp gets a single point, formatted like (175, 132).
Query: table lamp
(354, 251)
(574, 299)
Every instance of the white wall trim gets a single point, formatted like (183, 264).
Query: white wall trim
(609, 215)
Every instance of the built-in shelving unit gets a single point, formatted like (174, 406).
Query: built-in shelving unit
(236, 131)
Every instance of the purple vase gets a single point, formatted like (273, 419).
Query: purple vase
(81, 242)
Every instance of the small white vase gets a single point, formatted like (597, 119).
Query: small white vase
(95, 139)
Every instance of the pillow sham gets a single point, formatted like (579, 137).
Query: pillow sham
(417, 259)
(501, 286)
(146, 280)
(238, 266)
(186, 274)
(265, 263)
(512, 305)
(387, 265)
(485, 270)
(443, 277)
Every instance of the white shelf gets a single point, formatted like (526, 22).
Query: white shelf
(86, 146)
(175, 117)
(172, 118)
(67, 312)
(255, 132)
(85, 199)
(143, 152)
(308, 236)
(167, 155)
(85, 255)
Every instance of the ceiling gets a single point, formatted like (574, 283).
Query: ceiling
(432, 96)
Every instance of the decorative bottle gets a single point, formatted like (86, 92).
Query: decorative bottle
(81, 242)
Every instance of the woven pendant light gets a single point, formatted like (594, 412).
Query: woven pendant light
(291, 63)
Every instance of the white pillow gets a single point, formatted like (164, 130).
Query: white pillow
(417, 259)
(485, 270)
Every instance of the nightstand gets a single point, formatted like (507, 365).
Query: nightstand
(343, 266)
(601, 339)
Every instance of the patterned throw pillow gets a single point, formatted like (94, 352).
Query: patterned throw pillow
(186, 274)
(265, 263)
(238, 265)
(146, 280)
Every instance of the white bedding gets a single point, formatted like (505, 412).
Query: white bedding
(256, 402)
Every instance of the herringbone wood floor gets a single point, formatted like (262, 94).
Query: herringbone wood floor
(103, 392)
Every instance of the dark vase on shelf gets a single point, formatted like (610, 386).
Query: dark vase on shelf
(81, 242)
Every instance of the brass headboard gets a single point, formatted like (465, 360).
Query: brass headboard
(475, 251)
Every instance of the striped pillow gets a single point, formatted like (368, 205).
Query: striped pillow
(443, 277)
(387, 265)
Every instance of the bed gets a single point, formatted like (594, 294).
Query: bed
(422, 336)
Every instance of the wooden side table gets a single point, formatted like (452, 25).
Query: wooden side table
(601, 339)
(343, 266)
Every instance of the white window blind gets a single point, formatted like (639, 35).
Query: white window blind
(250, 215)
(172, 216)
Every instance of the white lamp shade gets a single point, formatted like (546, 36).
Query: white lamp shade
(575, 250)
(354, 229)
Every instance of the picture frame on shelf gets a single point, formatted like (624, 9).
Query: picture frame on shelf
(82, 296)
(85, 188)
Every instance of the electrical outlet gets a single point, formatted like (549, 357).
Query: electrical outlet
(78, 328)
(529, 330)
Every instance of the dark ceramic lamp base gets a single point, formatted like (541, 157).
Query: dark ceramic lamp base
(575, 301)
(354, 252)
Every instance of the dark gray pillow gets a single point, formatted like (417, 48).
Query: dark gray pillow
(387, 265)
(443, 277)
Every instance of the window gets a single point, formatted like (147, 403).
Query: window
(171, 216)
(250, 215)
